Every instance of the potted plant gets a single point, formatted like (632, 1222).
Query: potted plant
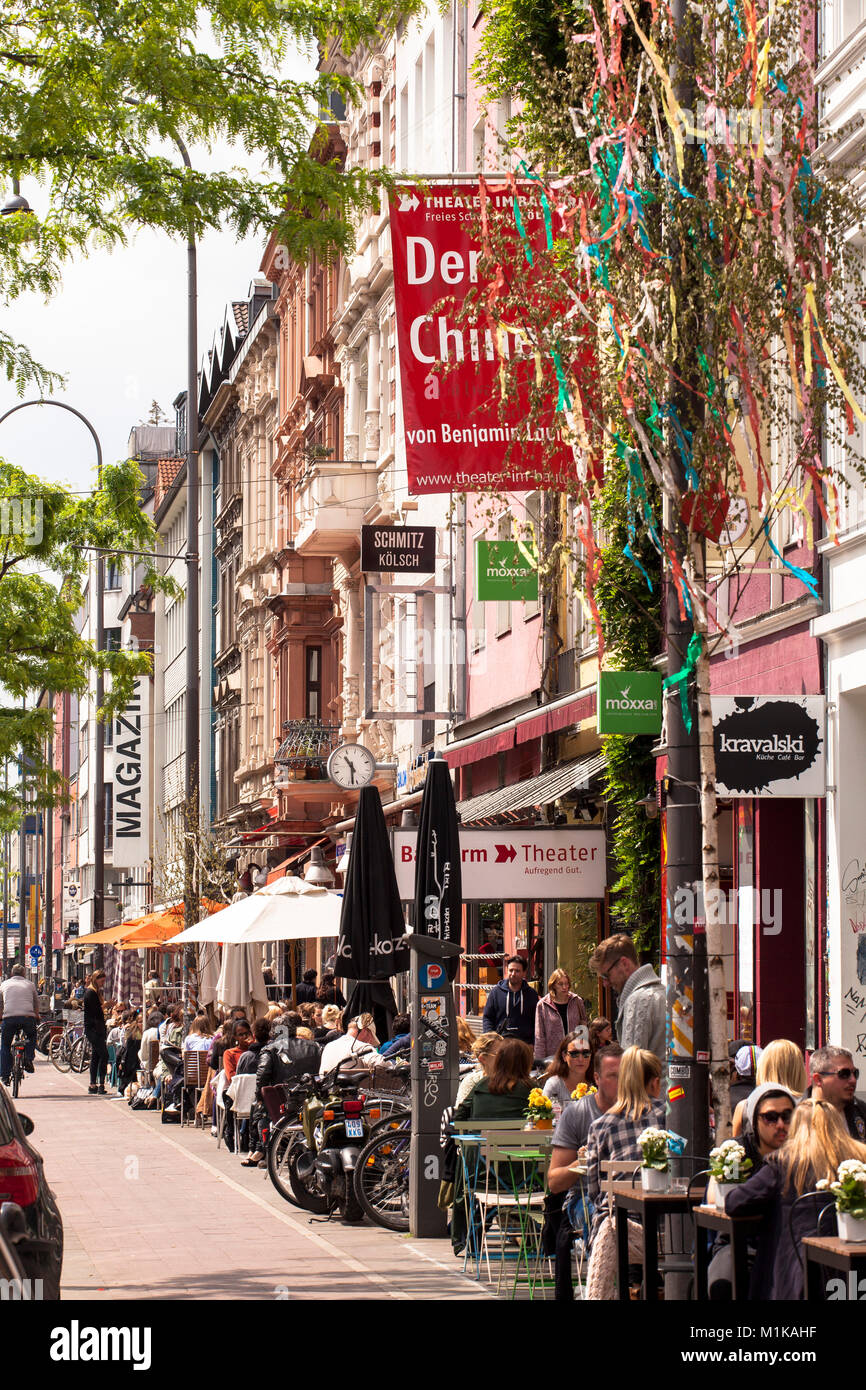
(729, 1166)
(583, 1089)
(655, 1168)
(539, 1110)
(849, 1190)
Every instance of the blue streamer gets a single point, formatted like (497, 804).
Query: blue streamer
(803, 575)
(657, 165)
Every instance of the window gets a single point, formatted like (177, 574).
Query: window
(83, 736)
(530, 533)
(428, 726)
(313, 700)
(107, 732)
(503, 608)
(112, 639)
(112, 574)
(82, 814)
(109, 815)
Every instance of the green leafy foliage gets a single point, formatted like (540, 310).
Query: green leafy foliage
(95, 96)
(47, 537)
(630, 615)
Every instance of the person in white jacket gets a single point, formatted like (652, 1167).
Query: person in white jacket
(359, 1040)
(640, 1020)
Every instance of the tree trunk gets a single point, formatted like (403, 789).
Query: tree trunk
(713, 902)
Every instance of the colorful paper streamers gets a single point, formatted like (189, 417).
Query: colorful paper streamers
(680, 680)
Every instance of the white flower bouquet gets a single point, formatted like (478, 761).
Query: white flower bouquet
(728, 1162)
(654, 1149)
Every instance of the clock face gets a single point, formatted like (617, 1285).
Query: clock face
(351, 766)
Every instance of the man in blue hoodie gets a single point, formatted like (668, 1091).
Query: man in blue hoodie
(511, 1005)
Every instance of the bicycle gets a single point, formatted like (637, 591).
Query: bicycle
(70, 1049)
(19, 1044)
(382, 1173)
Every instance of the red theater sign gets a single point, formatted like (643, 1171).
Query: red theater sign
(459, 436)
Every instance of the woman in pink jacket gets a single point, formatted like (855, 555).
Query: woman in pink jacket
(559, 1012)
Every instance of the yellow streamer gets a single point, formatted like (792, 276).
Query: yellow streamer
(670, 105)
(828, 353)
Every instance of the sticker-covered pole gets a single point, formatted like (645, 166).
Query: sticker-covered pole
(435, 1070)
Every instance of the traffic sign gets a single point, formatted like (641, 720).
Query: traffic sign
(35, 952)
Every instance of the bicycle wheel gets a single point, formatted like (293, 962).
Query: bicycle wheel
(382, 1179)
(397, 1119)
(58, 1051)
(280, 1144)
(79, 1055)
(16, 1076)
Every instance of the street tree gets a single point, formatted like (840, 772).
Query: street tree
(95, 98)
(690, 236)
(48, 536)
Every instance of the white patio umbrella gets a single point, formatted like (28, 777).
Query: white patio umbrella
(288, 910)
(208, 972)
(241, 981)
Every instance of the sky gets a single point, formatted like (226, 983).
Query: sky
(116, 330)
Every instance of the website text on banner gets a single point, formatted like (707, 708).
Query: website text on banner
(469, 426)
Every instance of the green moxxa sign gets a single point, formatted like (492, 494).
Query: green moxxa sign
(505, 570)
(630, 702)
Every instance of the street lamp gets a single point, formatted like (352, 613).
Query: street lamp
(99, 757)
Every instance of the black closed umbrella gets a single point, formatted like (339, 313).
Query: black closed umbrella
(438, 883)
(372, 930)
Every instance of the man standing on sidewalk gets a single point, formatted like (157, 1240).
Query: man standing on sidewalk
(19, 1008)
(640, 1021)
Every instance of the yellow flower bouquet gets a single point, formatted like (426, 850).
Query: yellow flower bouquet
(582, 1090)
(539, 1107)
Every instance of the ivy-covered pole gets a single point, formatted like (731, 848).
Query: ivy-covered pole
(685, 939)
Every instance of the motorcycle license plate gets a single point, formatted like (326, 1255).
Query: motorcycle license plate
(354, 1129)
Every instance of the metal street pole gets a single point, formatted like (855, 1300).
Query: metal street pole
(22, 864)
(99, 757)
(685, 943)
(48, 948)
(6, 852)
(191, 894)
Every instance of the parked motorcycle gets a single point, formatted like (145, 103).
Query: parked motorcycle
(334, 1129)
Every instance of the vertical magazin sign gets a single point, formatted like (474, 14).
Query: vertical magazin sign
(130, 779)
(459, 435)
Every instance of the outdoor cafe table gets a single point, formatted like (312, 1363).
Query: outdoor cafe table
(829, 1252)
(650, 1208)
(738, 1229)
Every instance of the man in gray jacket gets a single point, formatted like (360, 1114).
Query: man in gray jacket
(640, 1021)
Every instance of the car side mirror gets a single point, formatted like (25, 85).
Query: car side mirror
(27, 1124)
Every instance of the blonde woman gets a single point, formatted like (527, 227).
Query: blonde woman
(818, 1141)
(484, 1049)
(781, 1063)
(615, 1136)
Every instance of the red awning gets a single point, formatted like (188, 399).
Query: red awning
(483, 748)
(548, 721)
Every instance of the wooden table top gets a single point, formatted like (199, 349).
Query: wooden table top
(834, 1246)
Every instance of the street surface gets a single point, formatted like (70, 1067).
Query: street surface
(151, 1211)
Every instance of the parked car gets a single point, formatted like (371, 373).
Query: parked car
(36, 1235)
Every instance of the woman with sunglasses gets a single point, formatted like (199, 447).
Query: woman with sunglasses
(817, 1143)
(572, 1063)
(560, 1011)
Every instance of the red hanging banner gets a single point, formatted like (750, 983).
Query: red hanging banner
(465, 414)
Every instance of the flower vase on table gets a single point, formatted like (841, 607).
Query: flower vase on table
(539, 1110)
(849, 1192)
(655, 1168)
(729, 1167)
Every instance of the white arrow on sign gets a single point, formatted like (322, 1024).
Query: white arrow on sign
(409, 202)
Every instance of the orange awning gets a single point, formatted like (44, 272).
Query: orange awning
(155, 929)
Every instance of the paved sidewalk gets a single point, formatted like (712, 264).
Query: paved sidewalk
(151, 1211)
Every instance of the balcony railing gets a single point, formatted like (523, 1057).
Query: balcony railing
(305, 749)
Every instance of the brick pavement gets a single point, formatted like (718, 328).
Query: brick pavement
(151, 1211)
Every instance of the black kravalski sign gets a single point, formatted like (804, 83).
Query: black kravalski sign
(406, 549)
(770, 745)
